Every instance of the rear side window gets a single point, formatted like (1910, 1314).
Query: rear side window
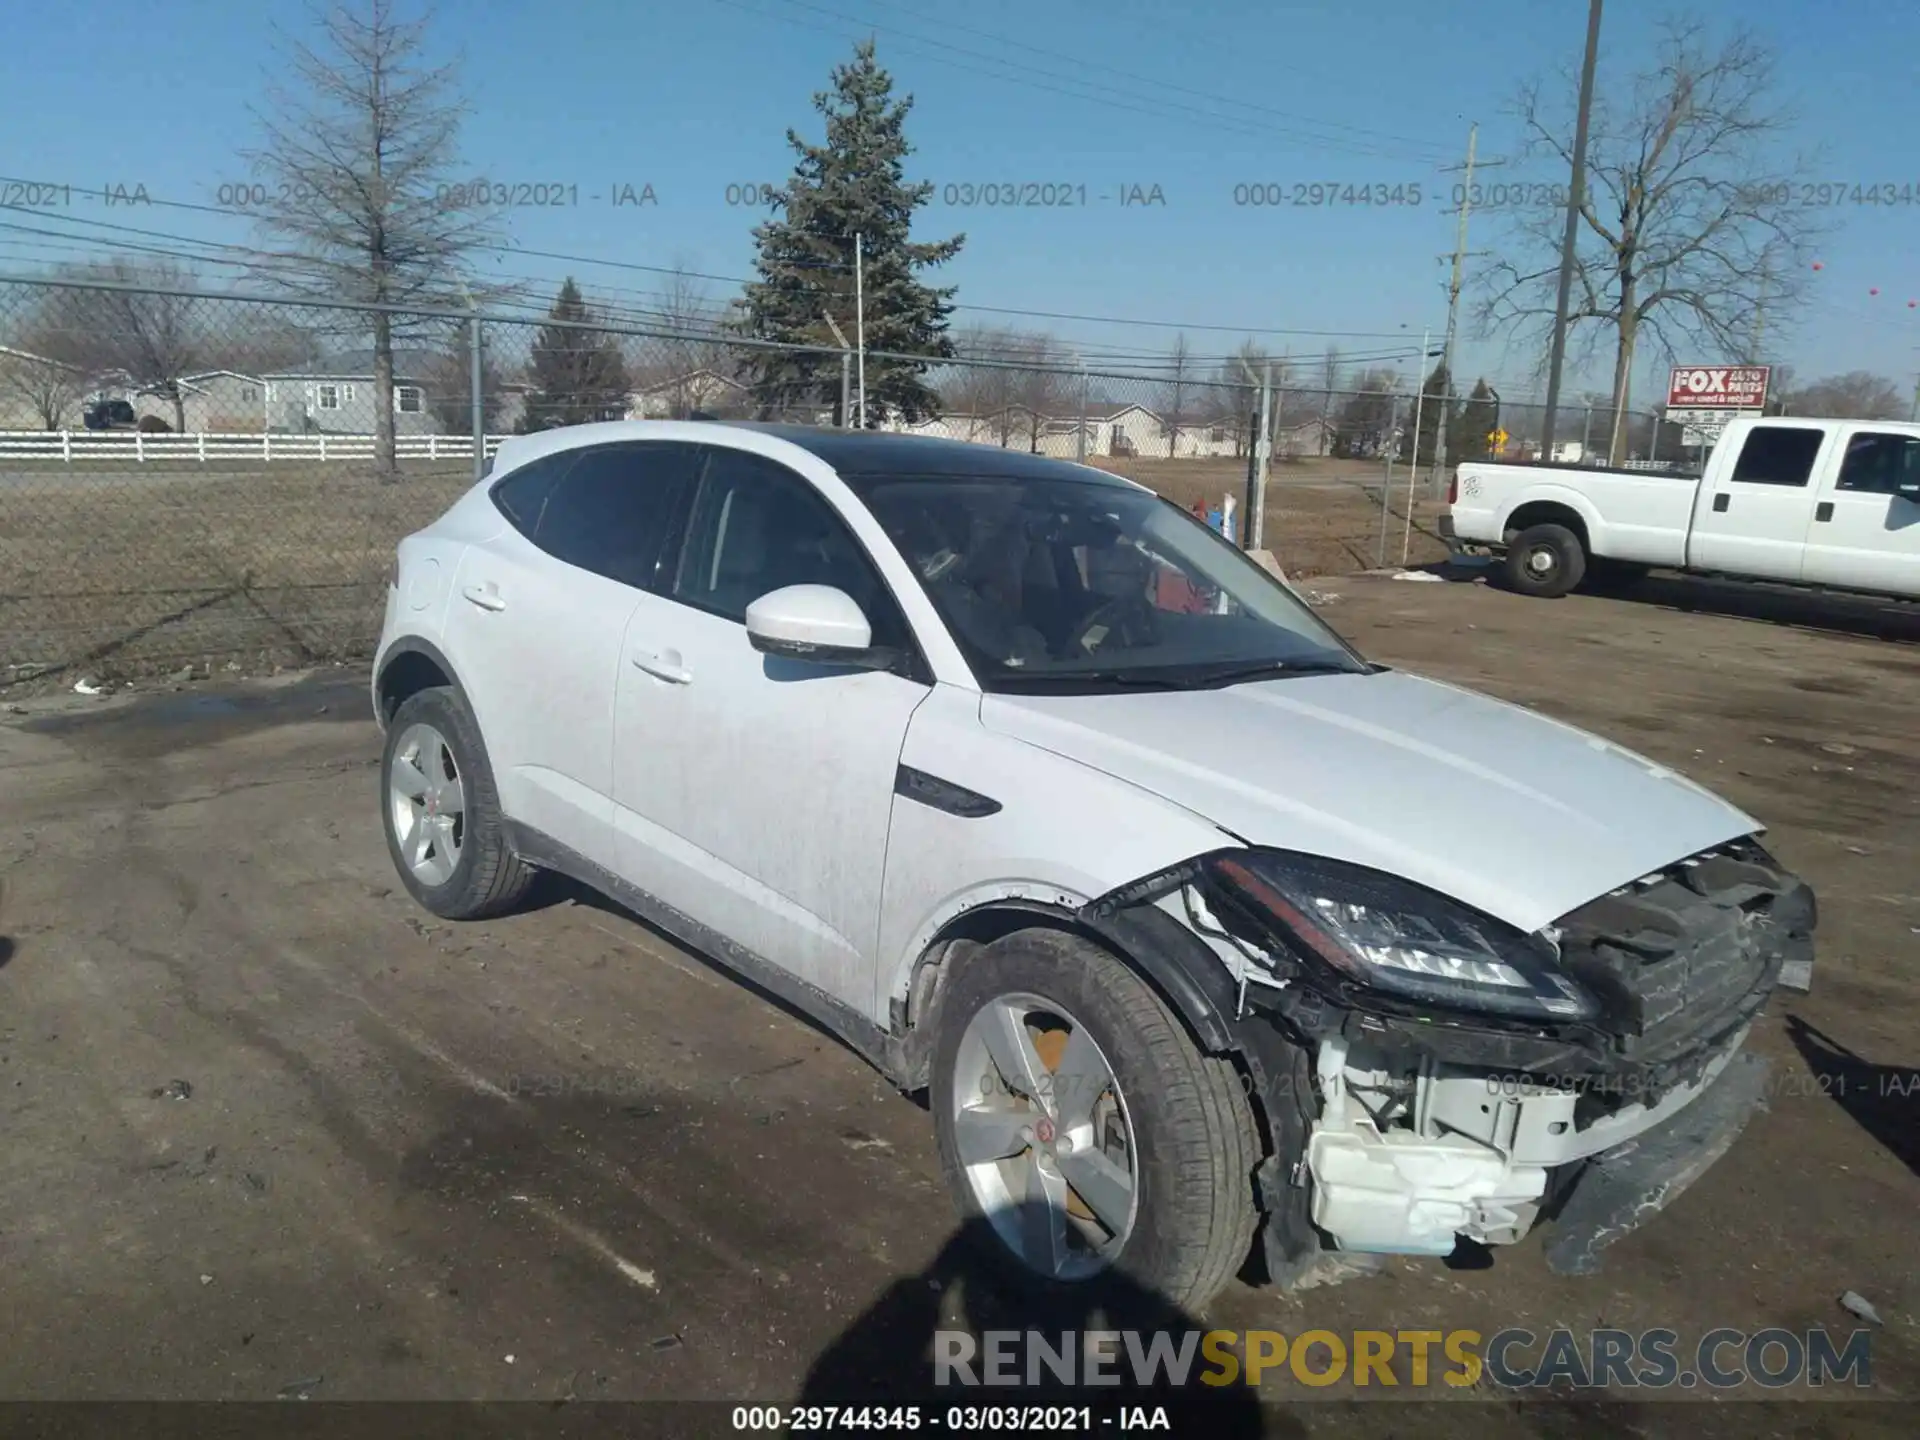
(1777, 455)
(607, 510)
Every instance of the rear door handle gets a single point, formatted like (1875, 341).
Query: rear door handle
(1823, 511)
(665, 666)
(486, 597)
(1720, 501)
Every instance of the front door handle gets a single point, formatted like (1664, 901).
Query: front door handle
(665, 666)
(485, 596)
(1824, 510)
(1720, 501)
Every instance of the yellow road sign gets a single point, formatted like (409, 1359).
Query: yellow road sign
(1497, 438)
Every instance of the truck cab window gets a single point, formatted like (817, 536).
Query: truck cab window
(1777, 455)
(1881, 464)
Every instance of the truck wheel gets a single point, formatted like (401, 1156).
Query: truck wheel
(1082, 1132)
(444, 827)
(1545, 560)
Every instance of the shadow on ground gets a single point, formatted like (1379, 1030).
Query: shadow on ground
(1884, 1100)
(890, 1354)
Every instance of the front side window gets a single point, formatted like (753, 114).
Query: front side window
(329, 397)
(1051, 584)
(758, 527)
(407, 399)
(1881, 464)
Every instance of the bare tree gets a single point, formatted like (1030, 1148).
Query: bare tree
(1679, 244)
(694, 353)
(1176, 392)
(358, 164)
(1044, 386)
(153, 334)
(1857, 395)
(49, 388)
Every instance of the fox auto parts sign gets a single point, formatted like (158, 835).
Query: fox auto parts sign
(1718, 387)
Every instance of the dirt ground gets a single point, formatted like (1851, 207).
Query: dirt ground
(275, 1132)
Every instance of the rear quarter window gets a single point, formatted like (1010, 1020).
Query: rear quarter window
(522, 494)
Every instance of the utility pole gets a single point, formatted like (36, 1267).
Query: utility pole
(1914, 414)
(1576, 198)
(860, 317)
(1453, 293)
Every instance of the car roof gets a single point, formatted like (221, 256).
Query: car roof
(851, 453)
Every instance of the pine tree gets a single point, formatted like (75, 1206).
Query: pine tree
(854, 184)
(1478, 418)
(1435, 410)
(579, 376)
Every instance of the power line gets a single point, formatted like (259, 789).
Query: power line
(636, 266)
(1128, 75)
(1050, 80)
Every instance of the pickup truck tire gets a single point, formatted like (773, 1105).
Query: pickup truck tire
(442, 816)
(1178, 1124)
(1545, 561)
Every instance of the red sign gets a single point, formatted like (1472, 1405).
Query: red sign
(1719, 387)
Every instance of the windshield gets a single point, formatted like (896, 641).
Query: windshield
(1060, 584)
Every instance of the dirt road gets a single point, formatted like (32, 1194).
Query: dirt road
(274, 1131)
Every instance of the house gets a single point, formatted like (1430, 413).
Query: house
(678, 396)
(212, 402)
(337, 397)
(1130, 430)
(1310, 438)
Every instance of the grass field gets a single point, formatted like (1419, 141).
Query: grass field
(122, 573)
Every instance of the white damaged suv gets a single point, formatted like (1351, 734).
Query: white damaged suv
(1212, 941)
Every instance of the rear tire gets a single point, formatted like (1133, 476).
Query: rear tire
(1178, 1126)
(442, 816)
(1545, 561)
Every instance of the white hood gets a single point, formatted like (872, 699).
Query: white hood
(1521, 816)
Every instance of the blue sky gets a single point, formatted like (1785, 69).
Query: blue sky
(694, 97)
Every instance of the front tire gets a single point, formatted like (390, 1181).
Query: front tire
(1545, 561)
(1082, 1130)
(444, 828)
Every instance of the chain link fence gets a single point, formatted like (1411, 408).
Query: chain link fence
(192, 483)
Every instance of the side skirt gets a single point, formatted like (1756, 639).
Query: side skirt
(840, 1020)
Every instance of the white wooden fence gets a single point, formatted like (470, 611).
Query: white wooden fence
(140, 447)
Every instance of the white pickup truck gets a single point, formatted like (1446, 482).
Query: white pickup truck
(1828, 503)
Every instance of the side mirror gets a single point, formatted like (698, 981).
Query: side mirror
(815, 623)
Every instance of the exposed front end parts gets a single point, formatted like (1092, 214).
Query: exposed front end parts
(1409, 1163)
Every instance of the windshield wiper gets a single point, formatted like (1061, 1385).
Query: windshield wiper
(1271, 670)
(1126, 679)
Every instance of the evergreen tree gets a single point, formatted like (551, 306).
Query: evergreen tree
(578, 376)
(854, 184)
(1436, 409)
(1478, 418)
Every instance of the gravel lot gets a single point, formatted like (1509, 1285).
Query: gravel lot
(274, 1131)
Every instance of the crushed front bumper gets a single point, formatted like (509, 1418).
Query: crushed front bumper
(1622, 1188)
(1421, 1129)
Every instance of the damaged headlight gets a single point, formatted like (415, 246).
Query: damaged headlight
(1391, 935)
